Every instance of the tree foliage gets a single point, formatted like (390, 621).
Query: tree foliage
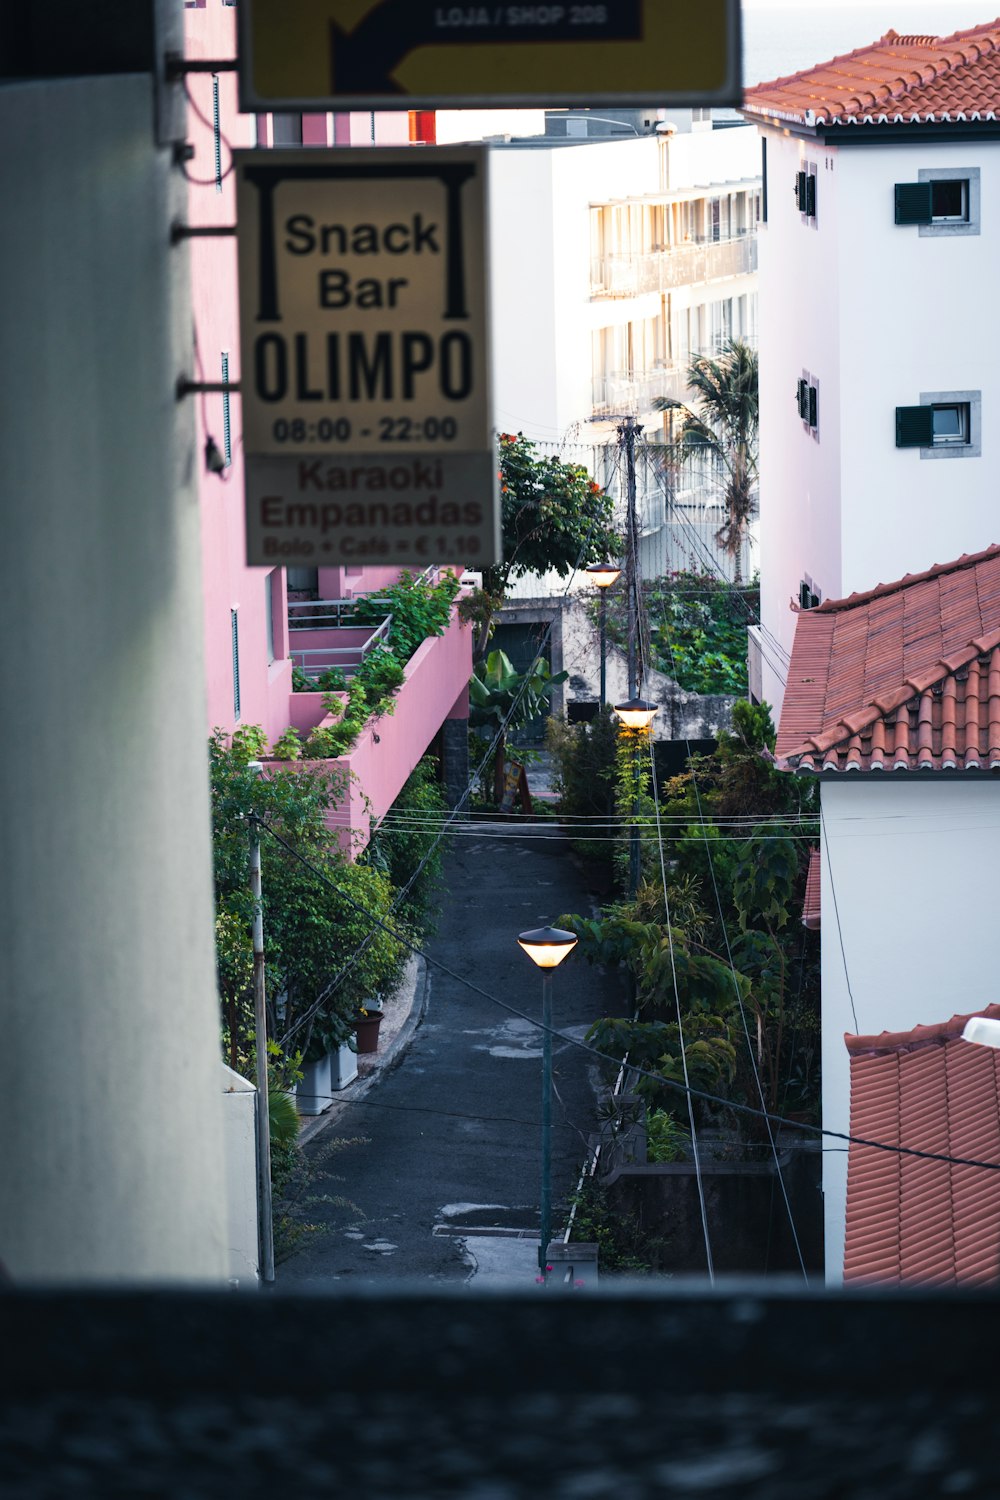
(735, 958)
(698, 630)
(501, 699)
(312, 923)
(554, 517)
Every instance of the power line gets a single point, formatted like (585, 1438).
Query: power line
(657, 1078)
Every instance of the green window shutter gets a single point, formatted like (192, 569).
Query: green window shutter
(810, 207)
(914, 426)
(800, 191)
(802, 398)
(913, 202)
(811, 399)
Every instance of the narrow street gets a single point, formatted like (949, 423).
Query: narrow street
(449, 1139)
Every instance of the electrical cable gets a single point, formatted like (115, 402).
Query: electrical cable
(338, 978)
(668, 1083)
(732, 967)
(680, 1036)
(746, 1028)
(836, 914)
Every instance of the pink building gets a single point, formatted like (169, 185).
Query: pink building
(247, 641)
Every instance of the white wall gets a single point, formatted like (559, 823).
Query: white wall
(910, 870)
(879, 314)
(917, 313)
(544, 316)
(239, 1117)
(799, 475)
(110, 1116)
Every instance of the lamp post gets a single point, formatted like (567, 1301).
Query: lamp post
(604, 575)
(636, 714)
(546, 947)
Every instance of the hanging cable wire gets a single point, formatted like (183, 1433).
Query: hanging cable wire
(669, 1083)
(680, 1035)
(836, 914)
(342, 973)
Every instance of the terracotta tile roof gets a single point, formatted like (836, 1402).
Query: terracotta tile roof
(907, 79)
(810, 903)
(903, 677)
(910, 1220)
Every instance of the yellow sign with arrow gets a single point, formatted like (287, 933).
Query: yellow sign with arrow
(417, 54)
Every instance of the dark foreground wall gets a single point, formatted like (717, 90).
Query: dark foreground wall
(623, 1393)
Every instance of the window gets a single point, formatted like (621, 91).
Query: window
(807, 400)
(270, 581)
(235, 628)
(943, 201)
(763, 179)
(805, 191)
(946, 424)
(809, 594)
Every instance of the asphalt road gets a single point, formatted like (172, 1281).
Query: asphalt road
(450, 1137)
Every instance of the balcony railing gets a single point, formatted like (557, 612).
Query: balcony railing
(325, 633)
(682, 265)
(622, 392)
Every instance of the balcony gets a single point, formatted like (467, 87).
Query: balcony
(682, 265)
(620, 391)
(325, 633)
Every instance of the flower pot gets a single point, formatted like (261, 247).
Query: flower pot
(343, 1067)
(367, 1030)
(313, 1093)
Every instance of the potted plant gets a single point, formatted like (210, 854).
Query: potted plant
(366, 1026)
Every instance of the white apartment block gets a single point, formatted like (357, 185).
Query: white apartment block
(879, 381)
(613, 263)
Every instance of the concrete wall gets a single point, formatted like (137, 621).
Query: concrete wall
(110, 1116)
(909, 889)
(239, 1114)
(800, 474)
(227, 583)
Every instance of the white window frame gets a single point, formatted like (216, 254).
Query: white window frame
(949, 227)
(971, 446)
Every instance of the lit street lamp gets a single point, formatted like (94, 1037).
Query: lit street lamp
(637, 715)
(604, 575)
(546, 947)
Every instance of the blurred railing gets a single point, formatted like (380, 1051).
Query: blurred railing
(681, 265)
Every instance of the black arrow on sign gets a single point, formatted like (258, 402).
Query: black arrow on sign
(364, 60)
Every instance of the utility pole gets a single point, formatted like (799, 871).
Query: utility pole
(627, 434)
(629, 430)
(265, 1225)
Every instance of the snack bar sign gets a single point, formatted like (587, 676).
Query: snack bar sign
(364, 357)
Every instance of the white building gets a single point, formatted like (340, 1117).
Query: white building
(879, 382)
(613, 263)
(893, 703)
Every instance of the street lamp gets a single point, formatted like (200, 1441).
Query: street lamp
(604, 575)
(546, 947)
(982, 1030)
(636, 714)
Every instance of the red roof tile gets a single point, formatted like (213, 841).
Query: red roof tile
(905, 79)
(905, 676)
(810, 903)
(910, 1220)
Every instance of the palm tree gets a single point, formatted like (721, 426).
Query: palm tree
(726, 423)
